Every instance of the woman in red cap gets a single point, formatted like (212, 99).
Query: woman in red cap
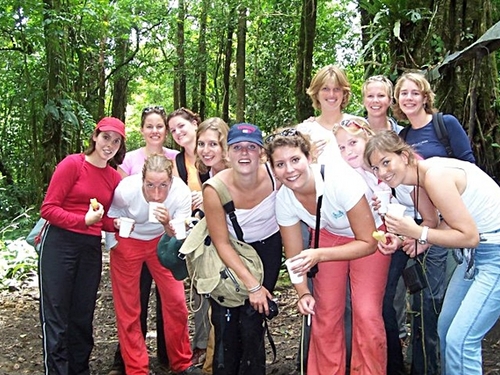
(79, 194)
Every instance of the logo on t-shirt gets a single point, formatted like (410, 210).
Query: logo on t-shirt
(337, 215)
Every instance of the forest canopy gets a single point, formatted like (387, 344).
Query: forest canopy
(65, 64)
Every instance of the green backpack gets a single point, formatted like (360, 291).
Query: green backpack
(209, 275)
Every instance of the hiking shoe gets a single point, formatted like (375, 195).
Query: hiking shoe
(199, 356)
(191, 370)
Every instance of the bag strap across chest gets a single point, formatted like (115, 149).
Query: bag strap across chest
(227, 204)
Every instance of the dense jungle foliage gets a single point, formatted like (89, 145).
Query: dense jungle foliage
(65, 64)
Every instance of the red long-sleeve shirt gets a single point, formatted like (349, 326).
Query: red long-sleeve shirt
(73, 183)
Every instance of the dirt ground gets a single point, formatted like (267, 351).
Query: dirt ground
(20, 334)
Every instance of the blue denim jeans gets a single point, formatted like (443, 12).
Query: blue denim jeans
(426, 306)
(470, 309)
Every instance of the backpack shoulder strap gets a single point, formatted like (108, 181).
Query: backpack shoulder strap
(404, 132)
(181, 166)
(221, 189)
(442, 133)
(227, 203)
(204, 177)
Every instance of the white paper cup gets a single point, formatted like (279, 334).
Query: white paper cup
(179, 226)
(396, 209)
(125, 226)
(384, 196)
(294, 278)
(152, 207)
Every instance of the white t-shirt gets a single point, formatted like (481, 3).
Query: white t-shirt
(373, 184)
(129, 201)
(331, 152)
(342, 189)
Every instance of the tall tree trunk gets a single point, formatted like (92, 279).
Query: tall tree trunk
(200, 86)
(303, 66)
(55, 42)
(101, 96)
(180, 69)
(467, 88)
(240, 64)
(469, 92)
(121, 79)
(227, 65)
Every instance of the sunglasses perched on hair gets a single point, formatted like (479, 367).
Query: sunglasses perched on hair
(290, 132)
(379, 78)
(155, 109)
(352, 124)
(347, 123)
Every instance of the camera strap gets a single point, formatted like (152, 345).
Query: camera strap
(270, 339)
(318, 211)
(314, 270)
(415, 207)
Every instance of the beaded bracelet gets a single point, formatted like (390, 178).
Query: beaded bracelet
(255, 288)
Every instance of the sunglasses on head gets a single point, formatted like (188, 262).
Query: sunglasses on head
(155, 109)
(354, 126)
(349, 123)
(291, 132)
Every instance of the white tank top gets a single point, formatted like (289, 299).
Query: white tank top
(259, 222)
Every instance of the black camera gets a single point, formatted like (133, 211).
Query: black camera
(414, 278)
(273, 309)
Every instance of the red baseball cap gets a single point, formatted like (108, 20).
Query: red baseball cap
(111, 124)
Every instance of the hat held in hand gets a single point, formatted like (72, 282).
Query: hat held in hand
(168, 255)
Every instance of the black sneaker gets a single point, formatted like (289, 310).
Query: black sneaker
(191, 370)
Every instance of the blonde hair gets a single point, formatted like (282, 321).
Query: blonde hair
(220, 126)
(388, 141)
(386, 82)
(425, 89)
(361, 129)
(327, 73)
(157, 163)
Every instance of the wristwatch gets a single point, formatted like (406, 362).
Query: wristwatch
(423, 237)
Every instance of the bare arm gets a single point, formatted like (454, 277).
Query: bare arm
(362, 225)
(292, 243)
(429, 216)
(443, 187)
(219, 233)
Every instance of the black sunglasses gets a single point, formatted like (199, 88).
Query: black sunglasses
(290, 132)
(155, 109)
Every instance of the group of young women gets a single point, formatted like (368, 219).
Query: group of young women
(335, 161)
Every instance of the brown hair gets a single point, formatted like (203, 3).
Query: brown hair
(423, 85)
(156, 109)
(337, 75)
(185, 114)
(115, 160)
(216, 124)
(388, 141)
(287, 137)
